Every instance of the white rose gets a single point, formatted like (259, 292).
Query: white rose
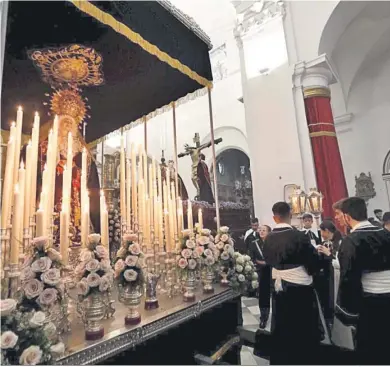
(93, 280)
(80, 270)
(209, 260)
(54, 255)
(135, 249)
(51, 331)
(131, 260)
(205, 232)
(195, 254)
(122, 252)
(105, 283)
(190, 244)
(236, 255)
(7, 306)
(130, 275)
(208, 253)
(33, 288)
(225, 256)
(241, 278)
(27, 261)
(82, 288)
(186, 253)
(41, 265)
(48, 297)
(254, 275)
(40, 242)
(101, 252)
(239, 268)
(94, 238)
(57, 350)
(26, 274)
(8, 340)
(192, 264)
(224, 229)
(199, 250)
(240, 260)
(217, 238)
(92, 266)
(248, 269)
(31, 356)
(203, 240)
(255, 284)
(130, 237)
(227, 248)
(37, 319)
(86, 255)
(220, 245)
(51, 277)
(105, 265)
(224, 237)
(247, 258)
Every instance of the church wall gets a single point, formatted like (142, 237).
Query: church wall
(365, 146)
(272, 138)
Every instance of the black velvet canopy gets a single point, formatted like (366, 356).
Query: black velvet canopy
(136, 82)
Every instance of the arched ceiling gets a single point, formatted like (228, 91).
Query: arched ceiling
(356, 34)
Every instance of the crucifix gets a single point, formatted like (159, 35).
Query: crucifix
(199, 170)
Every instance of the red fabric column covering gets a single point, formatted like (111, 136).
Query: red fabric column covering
(326, 154)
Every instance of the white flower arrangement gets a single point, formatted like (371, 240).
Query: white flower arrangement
(243, 276)
(130, 262)
(26, 337)
(41, 282)
(94, 271)
(190, 252)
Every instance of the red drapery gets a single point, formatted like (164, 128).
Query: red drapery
(326, 154)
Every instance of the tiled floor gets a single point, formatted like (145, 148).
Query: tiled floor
(251, 318)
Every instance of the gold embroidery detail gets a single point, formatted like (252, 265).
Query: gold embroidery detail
(316, 92)
(108, 19)
(68, 102)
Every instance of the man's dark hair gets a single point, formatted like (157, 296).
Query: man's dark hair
(338, 204)
(386, 218)
(281, 209)
(376, 211)
(254, 221)
(202, 156)
(307, 216)
(355, 207)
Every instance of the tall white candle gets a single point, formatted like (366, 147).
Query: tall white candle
(189, 216)
(34, 162)
(8, 180)
(134, 209)
(123, 181)
(40, 218)
(22, 187)
(128, 194)
(145, 171)
(27, 189)
(200, 218)
(18, 139)
(103, 220)
(64, 235)
(17, 221)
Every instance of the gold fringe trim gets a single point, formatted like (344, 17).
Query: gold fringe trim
(322, 133)
(108, 19)
(159, 111)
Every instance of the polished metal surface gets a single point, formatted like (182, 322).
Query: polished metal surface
(172, 312)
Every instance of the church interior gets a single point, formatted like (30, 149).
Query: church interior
(141, 140)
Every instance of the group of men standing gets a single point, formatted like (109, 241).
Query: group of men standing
(291, 258)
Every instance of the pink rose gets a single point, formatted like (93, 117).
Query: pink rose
(203, 240)
(79, 270)
(92, 266)
(224, 237)
(183, 263)
(208, 253)
(186, 253)
(199, 250)
(192, 264)
(101, 252)
(217, 238)
(93, 280)
(86, 255)
(195, 254)
(41, 265)
(130, 237)
(40, 242)
(33, 288)
(48, 296)
(26, 274)
(209, 260)
(190, 244)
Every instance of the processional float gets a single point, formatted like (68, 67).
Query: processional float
(53, 206)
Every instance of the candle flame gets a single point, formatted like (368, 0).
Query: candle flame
(84, 150)
(65, 168)
(45, 167)
(51, 132)
(29, 143)
(20, 109)
(13, 124)
(21, 165)
(36, 114)
(41, 204)
(17, 188)
(101, 193)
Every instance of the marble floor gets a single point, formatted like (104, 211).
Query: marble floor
(251, 320)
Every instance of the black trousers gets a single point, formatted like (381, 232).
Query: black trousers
(324, 286)
(264, 274)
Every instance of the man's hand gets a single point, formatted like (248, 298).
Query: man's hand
(260, 262)
(323, 250)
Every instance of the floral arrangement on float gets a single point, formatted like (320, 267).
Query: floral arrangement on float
(27, 338)
(42, 287)
(225, 245)
(244, 277)
(129, 273)
(95, 279)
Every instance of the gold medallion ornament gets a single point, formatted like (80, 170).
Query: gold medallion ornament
(74, 65)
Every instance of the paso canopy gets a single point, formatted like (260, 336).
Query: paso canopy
(150, 58)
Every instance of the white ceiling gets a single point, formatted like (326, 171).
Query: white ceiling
(215, 17)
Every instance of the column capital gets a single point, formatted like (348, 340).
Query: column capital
(315, 76)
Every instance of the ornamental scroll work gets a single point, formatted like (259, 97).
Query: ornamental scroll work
(365, 187)
(76, 65)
